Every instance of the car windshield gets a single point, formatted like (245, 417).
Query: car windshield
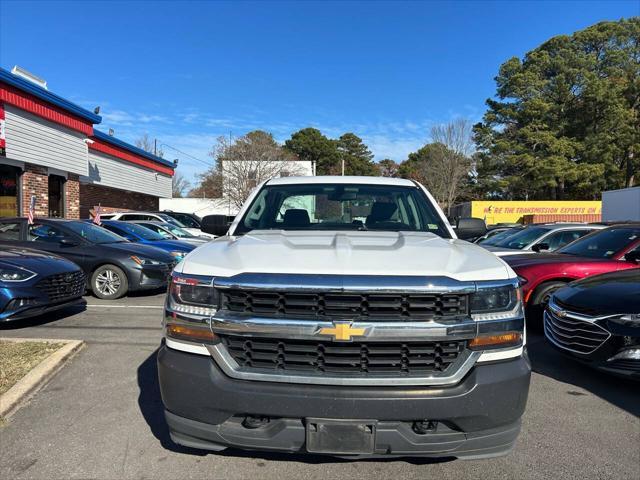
(342, 207)
(170, 220)
(93, 233)
(603, 243)
(185, 219)
(139, 231)
(497, 237)
(520, 239)
(177, 231)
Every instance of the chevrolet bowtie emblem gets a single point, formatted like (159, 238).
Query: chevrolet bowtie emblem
(342, 331)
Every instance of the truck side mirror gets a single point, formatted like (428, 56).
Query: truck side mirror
(538, 247)
(217, 225)
(468, 228)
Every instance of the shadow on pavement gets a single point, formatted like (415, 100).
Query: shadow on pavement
(150, 404)
(547, 361)
(45, 318)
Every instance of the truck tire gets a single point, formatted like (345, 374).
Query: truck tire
(109, 282)
(539, 301)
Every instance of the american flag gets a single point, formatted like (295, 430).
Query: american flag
(32, 210)
(96, 216)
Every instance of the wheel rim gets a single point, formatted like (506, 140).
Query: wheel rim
(108, 282)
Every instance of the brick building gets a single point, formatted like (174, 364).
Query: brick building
(50, 149)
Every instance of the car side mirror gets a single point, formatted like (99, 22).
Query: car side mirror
(69, 242)
(468, 228)
(217, 225)
(538, 247)
(633, 257)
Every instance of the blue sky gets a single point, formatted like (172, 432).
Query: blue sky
(188, 72)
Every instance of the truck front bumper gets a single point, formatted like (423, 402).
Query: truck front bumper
(478, 417)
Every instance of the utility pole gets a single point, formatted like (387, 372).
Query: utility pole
(155, 146)
(343, 166)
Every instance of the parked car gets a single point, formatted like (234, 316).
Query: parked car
(614, 248)
(153, 217)
(171, 232)
(34, 282)
(343, 316)
(113, 265)
(597, 321)
(539, 237)
(139, 234)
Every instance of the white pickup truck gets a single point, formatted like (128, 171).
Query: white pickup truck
(342, 316)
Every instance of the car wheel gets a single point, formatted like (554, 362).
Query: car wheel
(109, 282)
(539, 301)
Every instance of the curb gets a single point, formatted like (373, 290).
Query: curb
(28, 385)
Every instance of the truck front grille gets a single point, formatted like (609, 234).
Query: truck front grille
(319, 306)
(351, 359)
(572, 334)
(63, 286)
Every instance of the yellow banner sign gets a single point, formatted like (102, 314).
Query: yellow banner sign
(511, 212)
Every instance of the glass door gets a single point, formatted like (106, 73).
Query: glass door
(56, 196)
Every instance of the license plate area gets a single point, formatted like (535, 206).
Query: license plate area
(343, 437)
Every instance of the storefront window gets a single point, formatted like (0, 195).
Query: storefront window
(9, 177)
(56, 196)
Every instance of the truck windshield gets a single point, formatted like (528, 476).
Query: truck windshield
(342, 207)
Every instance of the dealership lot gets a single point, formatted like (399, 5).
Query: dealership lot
(101, 417)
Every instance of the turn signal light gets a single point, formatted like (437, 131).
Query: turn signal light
(193, 334)
(492, 341)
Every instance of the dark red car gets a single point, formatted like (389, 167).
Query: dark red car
(608, 250)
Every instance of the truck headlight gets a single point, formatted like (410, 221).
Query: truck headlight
(496, 302)
(195, 296)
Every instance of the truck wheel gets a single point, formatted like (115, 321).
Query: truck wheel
(109, 282)
(539, 301)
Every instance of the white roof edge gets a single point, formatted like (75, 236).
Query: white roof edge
(340, 179)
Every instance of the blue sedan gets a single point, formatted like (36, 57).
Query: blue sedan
(139, 234)
(34, 282)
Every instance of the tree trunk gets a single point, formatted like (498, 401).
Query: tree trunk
(630, 173)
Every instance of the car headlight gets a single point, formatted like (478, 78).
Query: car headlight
(177, 255)
(496, 302)
(192, 295)
(522, 280)
(11, 274)
(145, 261)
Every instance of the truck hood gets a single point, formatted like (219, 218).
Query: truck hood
(345, 253)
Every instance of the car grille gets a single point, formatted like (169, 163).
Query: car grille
(572, 334)
(351, 359)
(63, 286)
(372, 307)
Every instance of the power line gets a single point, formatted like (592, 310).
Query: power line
(186, 154)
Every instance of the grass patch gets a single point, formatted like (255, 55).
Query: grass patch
(18, 358)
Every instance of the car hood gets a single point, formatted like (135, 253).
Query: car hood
(607, 294)
(527, 260)
(36, 261)
(171, 245)
(503, 252)
(197, 232)
(147, 251)
(345, 253)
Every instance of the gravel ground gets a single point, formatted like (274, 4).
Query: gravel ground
(101, 417)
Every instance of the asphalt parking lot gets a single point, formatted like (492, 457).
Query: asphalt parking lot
(101, 417)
